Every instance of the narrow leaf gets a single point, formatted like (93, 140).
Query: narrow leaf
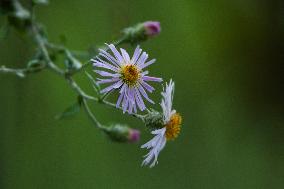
(68, 112)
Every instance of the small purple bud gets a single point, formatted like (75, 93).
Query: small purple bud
(141, 32)
(152, 28)
(122, 133)
(133, 135)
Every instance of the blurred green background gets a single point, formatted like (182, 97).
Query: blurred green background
(226, 58)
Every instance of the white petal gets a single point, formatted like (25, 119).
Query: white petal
(155, 145)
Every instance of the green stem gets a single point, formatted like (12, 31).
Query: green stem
(41, 44)
(20, 72)
(91, 115)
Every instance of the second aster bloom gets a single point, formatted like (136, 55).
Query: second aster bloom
(169, 131)
(126, 75)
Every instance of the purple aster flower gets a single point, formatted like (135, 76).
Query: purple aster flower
(126, 75)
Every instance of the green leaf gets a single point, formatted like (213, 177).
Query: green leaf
(68, 112)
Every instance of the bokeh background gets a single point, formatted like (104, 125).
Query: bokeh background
(226, 58)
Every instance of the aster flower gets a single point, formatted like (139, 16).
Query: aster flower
(126, 75)
(171, 129)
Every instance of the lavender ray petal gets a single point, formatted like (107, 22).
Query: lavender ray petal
(119, 100)
(136, 54)
(106, 74)
(107, 56)
(105, 65)
(116, 53)
(143, 92)
(155, 79)
(148, 63)
(147, 86)
(139, 99)
(114, 86)
(101, 81)
(125, 55)
(142, 59)
(144, 73)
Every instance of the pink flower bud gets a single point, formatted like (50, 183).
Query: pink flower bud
(152, 28)
(133, 135)
(122, 133)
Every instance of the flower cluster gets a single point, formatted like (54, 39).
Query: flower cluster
(117, 71)
(127, 76)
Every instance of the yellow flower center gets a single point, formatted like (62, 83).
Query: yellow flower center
(130, 74)
(173, 127)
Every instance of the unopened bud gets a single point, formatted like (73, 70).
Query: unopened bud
(122, 133)
(133, 135)
(152, 28)
(142, 31)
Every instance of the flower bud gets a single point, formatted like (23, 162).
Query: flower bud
(142, 31)
(154, 120)
(133, 135)
(152, 28)
(122, 133)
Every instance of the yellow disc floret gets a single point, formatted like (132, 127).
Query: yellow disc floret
(173, 126)
(130, 74)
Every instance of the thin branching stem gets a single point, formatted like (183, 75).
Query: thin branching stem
(43, 46)
(17, 72)
(21, 72)
(91, 115)
(69, 78)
